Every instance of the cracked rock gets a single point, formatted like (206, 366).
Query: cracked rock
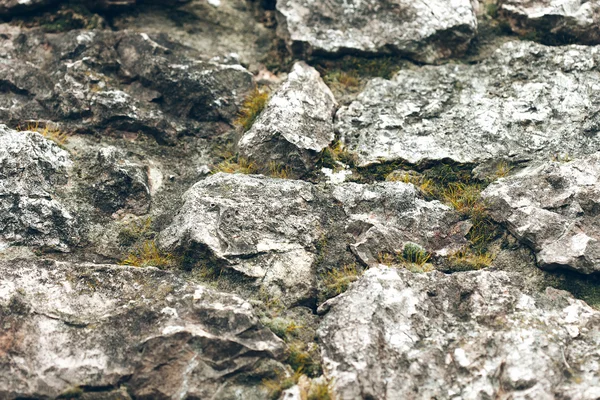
(68, 326)
(106, 82)
(277, 231)
(527, 101)
(425, 31)
(553, 207)
(32, 168)
(399, 335)
(554, 21)
(296, 125)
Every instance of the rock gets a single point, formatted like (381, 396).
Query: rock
(118, 184)
(80, 327)
(512, 105)
(296, 125)
(12, 7)
(425, 32)
(32, 168)
(105, 82)
(278, 231)
(399, 335)
(553, 208)
(221, 29)
(554, 21)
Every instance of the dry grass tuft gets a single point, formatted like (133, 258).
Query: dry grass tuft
(337, 281)
(149, 255)
(253, 105)
(56, 135)
(236, 165)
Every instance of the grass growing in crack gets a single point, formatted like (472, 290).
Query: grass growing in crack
(321, 391)
(337, 281)
(303, 360)
(336, 153)
(426, 186)
(503, 168)
(275, 386)
(469, 260)
(253, 105)
(236, 165)
(149, 255)
(279, 171)
(415, 254)
(53, 134)
(134, 231)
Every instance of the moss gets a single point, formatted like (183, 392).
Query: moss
(413, 253)
(284, 328)
(72, 393)
(277, 384)
(584, 287)
(253, 105)
(337, 153)
(135, 231)
(491, 9)
(276, 170)
(149, 255)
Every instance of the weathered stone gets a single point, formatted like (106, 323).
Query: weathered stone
(425, 32)
(553, 207)
(554, 21)
(66, 326)
(399, 335)
(103, 81)
(11, 7)
(31, 169)
(118, 184)
(296, 125)
(216, 28)
(275, 230)
(526, 101)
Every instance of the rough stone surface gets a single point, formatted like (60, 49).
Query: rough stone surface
(110, 82)
(31, 170)
(11, 7)
(68, 325)
(422, 30)
(273, 229)
(220, 29)
(557, 21)
(296, 125)
(118, 184)
(526, 101)
(398, 335)
(553, 207)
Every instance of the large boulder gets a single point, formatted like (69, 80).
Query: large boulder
(277, 231)
(553, 207)
(296, 125)
(554, 21)
(71, 328)
(525, 101)
(399, 335)
(425, 32)
(104, 81)
(32, 170)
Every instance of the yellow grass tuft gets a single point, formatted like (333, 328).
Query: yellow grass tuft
(253, 105)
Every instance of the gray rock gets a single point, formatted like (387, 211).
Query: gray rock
(398, 335)
(118, 184)
(12, 7)
(66, 326)
(32, 168)
(277, 231)
(554, 21)
(553, 207)
(103, 81)
(527, 101)
(296, 125)
(425, 32)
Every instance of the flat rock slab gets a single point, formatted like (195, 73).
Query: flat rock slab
(526, 101)
(553, 207)
(66, 326)
(399, 335)
(296, 125)
(425, 31)
(103, 81)
(556, 21)
(276, 230)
